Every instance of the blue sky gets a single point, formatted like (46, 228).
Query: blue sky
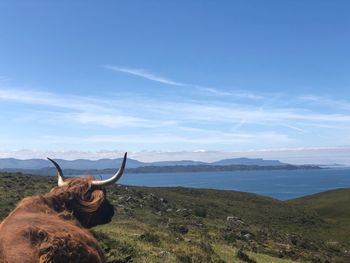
(174, 76)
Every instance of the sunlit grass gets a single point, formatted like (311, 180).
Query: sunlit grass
(192, 225)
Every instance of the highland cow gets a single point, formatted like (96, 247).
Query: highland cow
(53, 227)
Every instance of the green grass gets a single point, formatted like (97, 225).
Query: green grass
(261, 258)
(190, 225)
(333, 207)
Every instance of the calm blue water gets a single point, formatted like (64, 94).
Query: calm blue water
(282, 184)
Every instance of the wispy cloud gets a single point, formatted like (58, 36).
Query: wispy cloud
(142, 111)
(144, 122)
(142, 73)
(43, 98)
(156, 139)
(146, 75)
(236, 93)
(215, 91)
(237, 112)
(293, 127)
(79, 109)
(326, 101)
(239, 125)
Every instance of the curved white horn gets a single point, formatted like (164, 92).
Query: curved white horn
(114, 178)
(60, 176)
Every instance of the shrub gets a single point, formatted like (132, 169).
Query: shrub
(149, 237)
(200, 212)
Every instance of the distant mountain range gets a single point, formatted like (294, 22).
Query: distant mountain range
(83, 164)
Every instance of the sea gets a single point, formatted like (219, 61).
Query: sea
(279, 184)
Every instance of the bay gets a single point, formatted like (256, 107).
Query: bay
(279, 184)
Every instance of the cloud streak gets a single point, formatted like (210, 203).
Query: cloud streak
(143, 122)
(237, 94)
(79, 109)
(147, 75)
(142, 111)
(325, 101)
(142, 73)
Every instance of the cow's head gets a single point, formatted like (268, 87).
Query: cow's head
(84, 198)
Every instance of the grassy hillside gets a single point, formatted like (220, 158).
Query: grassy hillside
(194, 225)
(334, 208)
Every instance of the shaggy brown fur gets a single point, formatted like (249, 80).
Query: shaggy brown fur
(51, 228)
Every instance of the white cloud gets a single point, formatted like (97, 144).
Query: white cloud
(319, 155)
(237, 112)
(326, 101)
(136, 122)
(203, 89)
(150, 113)
(159, 139)
(109, 120)
(79, 109)
(235, 93)
(147, 112)
(146, 75)
(239, 125)
(294, 128)
(35, 97)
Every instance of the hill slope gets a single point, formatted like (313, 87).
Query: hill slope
(195, 225)
(334, 207)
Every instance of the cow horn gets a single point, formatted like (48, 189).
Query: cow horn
(114, 178)
(60, 176)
